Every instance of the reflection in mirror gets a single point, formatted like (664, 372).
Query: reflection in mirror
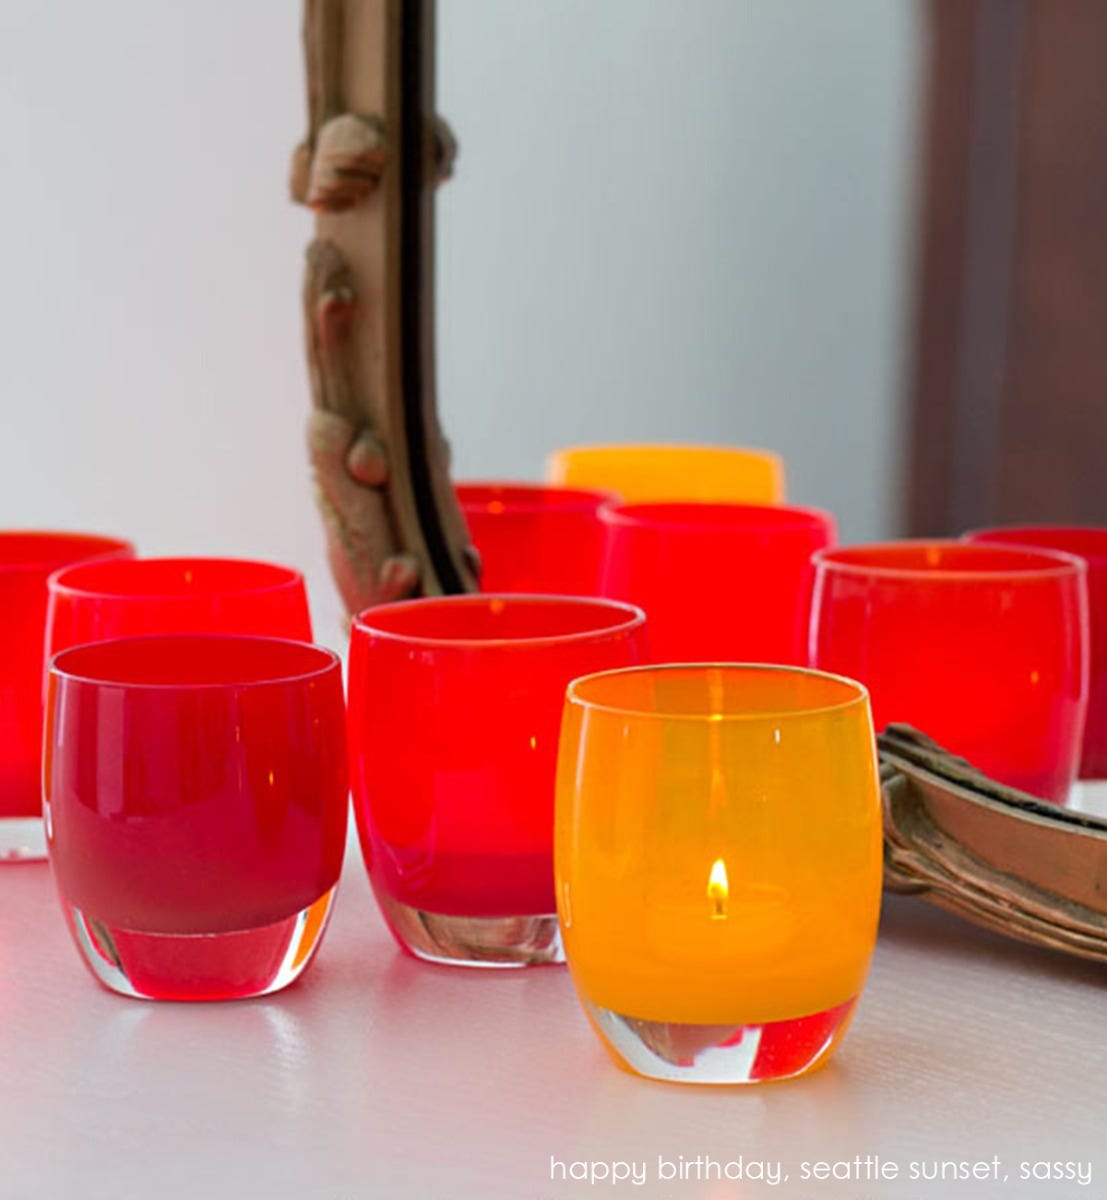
(675, 223)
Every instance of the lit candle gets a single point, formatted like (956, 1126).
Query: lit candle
(717, 871)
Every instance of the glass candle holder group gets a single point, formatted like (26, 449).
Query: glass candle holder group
(646, 750)
(195, 773)
(190, 790)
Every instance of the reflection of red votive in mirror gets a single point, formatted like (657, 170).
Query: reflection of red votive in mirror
(718, 582)
(983, 648)
(535, 538)
(1090, 544)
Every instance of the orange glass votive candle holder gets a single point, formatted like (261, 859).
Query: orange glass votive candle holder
(644, 474)
(718, 865)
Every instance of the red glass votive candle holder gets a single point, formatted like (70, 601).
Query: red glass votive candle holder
(455, 710)
(718, 582)
(196, 803)
(535, 538)
(26, 562)
(1090, 544)
(983, 648)
(94, 602)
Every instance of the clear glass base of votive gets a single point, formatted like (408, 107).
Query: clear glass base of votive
(722, 1054)
(474, 941)
(22, 839)
(200, 966)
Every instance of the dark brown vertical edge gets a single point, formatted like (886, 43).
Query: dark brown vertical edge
(1009, 381)
(939, 260)
(984, 337)
(1054, 437)
(417, 184)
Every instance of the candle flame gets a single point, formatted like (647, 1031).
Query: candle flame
(718, 888)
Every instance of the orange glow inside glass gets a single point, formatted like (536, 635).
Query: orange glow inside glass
(645, 474)
(718, 851)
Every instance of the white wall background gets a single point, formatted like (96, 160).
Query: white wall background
(671, 220)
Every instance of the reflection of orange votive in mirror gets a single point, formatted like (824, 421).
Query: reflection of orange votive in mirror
(642, 474)
(718, 860)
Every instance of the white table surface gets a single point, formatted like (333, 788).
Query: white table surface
(378, 1076)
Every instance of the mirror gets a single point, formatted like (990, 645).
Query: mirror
(675, 224)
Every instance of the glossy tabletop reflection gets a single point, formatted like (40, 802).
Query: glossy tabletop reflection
(380, 1076)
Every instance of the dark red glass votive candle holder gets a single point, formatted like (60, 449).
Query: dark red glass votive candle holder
(535, 538)
(26, 562)
(1090, 544)
(718, 582)
(983, 648)
(196, 802)
(94, 602)
(455, 710)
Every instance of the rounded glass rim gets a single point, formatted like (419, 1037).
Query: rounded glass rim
(695, 448)
(1013, 564)
(858, 693)
(66, 664)
(745, 518)
(58, 583)
(1094, 538)
(522, 496)
(100, 546)
(634, 618)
